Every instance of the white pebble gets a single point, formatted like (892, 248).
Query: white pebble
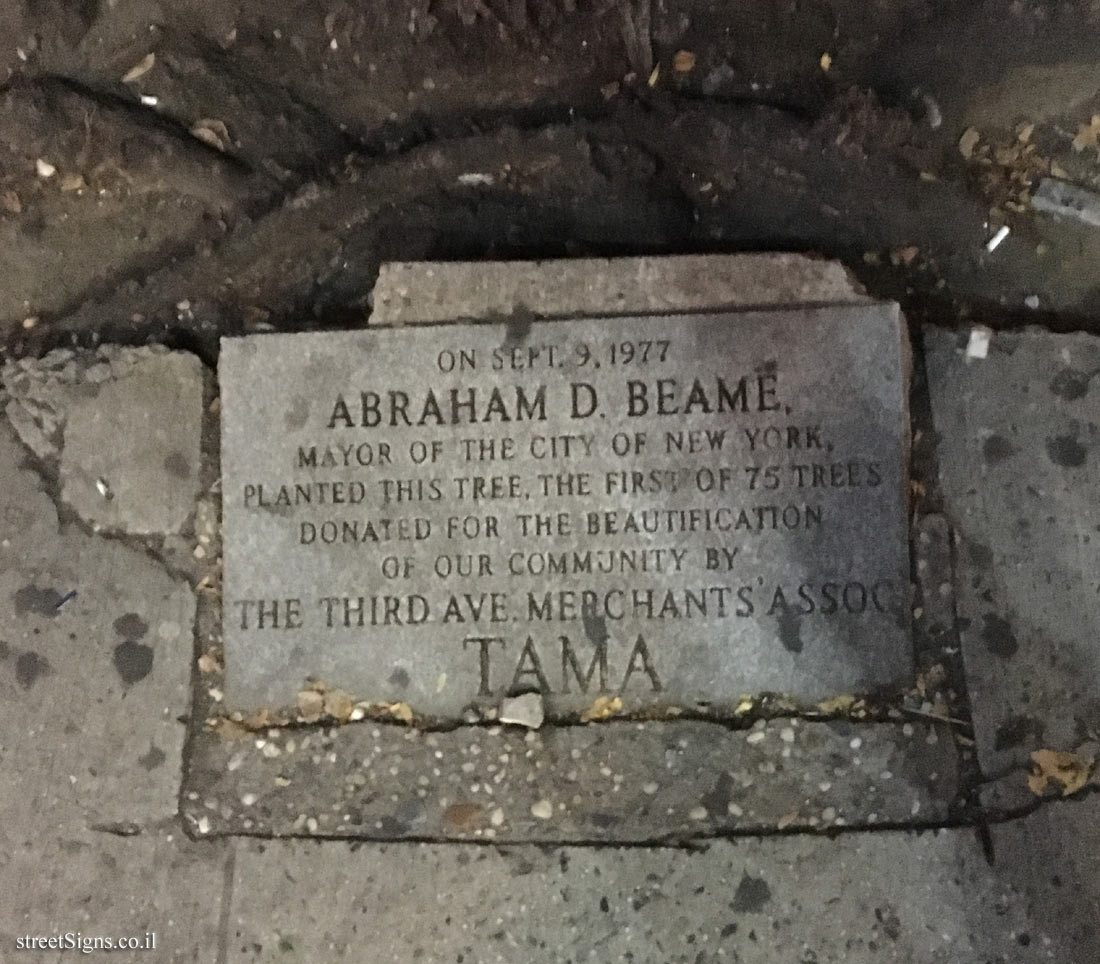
(542, 810)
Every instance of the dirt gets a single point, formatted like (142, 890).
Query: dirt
(173, 172)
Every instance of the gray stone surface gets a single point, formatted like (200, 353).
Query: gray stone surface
(1052, 860)
(419, 292)
(102, 885)
(96, 663)
(617, 782)
(130, 460)
(1018, 434)
(95, 655)
(777, 558)
(929, 898)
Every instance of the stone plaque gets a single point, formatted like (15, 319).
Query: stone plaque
(677, 510)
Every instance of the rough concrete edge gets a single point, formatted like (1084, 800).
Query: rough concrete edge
(409, 292)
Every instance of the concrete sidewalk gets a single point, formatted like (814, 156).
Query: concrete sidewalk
(109, 665)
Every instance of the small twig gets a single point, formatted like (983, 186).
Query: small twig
(933, 716)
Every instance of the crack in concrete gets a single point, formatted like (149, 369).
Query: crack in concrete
(225, 910)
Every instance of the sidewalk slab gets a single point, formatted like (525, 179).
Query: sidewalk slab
(619, 782)
(102, 885)
(131, 455)
(97, 642)
(858, 898)
(122, 428)
(1018, 433)
(95, 656)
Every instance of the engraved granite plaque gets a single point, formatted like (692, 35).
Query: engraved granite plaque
(677, 510)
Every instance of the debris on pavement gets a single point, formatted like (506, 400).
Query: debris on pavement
(140, 69)
(1063, 199)
(978, 345)
(1058, 767)
(525, 710)
(602, 708)
(995, 242)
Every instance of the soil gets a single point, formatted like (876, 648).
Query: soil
(174, 172)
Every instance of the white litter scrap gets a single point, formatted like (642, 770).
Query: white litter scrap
(978, 345)
(140, 69)
(475, 180)
(995, 242)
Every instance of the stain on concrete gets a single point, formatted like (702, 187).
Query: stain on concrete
(5, 650)
(718, 800)
(464, 817)
(298, 414)
(399, 678)
(998, 636)
(176, 464)
(41, 602)
(411, 812)
(29, 667)
(131, 626)
(153, 759)
(1015, 730)
(595, 628)
(1071, 384)
(981, 556)
(752, 894)
(997, 448)
(1066, 451)
(134, 661)
(790, 631)
(517, 326)
(891, 923)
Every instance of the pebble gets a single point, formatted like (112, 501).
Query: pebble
(542, 810)
(735, 810)
(525, 710)
(697, 813)
(496, 818)
(756, 736)
(787, 734)
(650, 788)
